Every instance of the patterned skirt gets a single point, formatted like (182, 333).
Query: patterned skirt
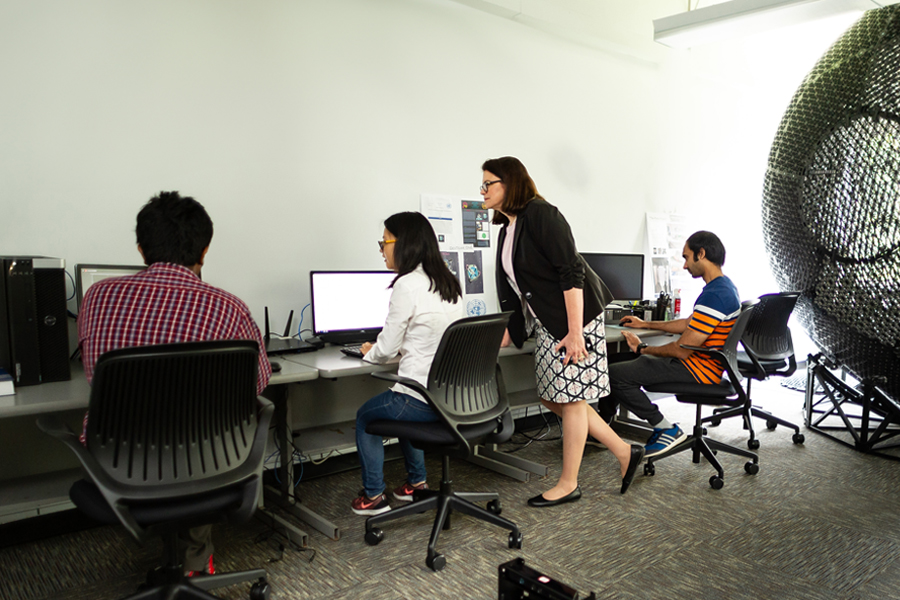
(587, 380)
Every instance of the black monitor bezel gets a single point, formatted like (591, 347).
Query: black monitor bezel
(619, 255)
(343, 336)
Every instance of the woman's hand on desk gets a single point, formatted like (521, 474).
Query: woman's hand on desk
(365, 348)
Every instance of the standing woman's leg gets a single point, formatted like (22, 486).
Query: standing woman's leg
(575, 429)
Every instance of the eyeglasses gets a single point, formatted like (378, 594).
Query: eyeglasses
(487, 184)
(381, 243)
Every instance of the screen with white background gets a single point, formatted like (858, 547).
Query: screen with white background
(349, 300)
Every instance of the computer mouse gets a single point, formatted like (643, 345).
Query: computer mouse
(276, 366)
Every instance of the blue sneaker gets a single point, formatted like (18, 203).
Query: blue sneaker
(663, 441)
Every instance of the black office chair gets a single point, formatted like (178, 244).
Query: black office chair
(728, 392)
(176, 438)
(769, 351)
(466, 390)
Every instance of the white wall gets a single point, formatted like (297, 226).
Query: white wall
(301, 125)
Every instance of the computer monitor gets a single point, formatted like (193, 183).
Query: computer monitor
(88, 275)
(623, 274)
(349, 307)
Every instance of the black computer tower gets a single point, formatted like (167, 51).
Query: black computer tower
(34, 334)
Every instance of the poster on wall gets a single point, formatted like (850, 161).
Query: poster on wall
(463, 230)
(666, 235)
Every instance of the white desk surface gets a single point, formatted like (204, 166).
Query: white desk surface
(75, 393)
(306, 366)
(331, 363)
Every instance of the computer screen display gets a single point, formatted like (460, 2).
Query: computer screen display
(623, 274)
(349, 306)
(88, 275)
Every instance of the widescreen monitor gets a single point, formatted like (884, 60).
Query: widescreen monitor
(349, 306)
(623, 274)
(88, 275)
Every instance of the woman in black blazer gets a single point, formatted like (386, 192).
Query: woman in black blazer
(543, 280)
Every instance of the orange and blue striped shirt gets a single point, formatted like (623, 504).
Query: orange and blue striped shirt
(714, 315)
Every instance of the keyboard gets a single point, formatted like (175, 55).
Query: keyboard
(354, 350)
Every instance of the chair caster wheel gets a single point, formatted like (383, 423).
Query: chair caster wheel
(260, 590)
(798, 438)
(495, 507)
(716, 482)
(704, 430)
(515, 540)
(436, 562)
(752, 468)
(649, 470)
(374, 536)
(753, 444)
(771, 425)
(714, 423)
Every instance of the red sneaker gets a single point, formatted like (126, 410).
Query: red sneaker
(367, 506)
(404, 493)
(210, 569)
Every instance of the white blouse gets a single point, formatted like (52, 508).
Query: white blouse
(415, 324)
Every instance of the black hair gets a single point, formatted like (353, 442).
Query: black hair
(417, 245)
(710, 243)
(173, 229)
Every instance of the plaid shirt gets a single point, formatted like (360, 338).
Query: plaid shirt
(164, 304)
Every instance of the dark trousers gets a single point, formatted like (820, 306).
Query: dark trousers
(198, 548)
(626, 379)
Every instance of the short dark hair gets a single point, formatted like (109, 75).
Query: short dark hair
(710, 244)
(520, 188)
(417, 245)
(173, 229)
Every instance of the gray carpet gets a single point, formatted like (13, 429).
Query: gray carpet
(818, 521)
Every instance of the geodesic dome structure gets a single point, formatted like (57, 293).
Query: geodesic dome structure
(831, 203)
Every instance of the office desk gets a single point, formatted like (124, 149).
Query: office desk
(332, 428)
(47, 492)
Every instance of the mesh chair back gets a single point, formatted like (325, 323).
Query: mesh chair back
(173, 413)
(768, 336)
(730, 347)
(463, 379)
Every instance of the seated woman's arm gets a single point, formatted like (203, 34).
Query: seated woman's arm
(400, 311)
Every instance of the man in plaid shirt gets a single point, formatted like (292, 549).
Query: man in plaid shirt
(167, 303)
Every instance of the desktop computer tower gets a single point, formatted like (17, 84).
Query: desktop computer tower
(34, 335)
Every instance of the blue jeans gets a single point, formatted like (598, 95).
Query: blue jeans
(389, 406)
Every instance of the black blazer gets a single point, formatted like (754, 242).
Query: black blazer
(546, 264)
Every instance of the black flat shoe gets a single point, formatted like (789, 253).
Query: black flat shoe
(637, 455)
(540, 502)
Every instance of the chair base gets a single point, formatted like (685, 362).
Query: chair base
(445, 502)
(747, 411)
(707, 447)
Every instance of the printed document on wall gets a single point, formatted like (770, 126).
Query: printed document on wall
(463, 230)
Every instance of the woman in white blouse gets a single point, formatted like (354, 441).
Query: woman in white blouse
(426, 298)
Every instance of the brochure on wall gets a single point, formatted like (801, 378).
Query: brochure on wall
(666, 234)
(463, 230)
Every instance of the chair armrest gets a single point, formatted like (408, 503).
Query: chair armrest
(410, 383)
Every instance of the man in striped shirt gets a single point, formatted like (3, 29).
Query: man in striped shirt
(714, 315)
(165, 304)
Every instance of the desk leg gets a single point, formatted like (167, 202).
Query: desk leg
(501, 462)
(283, 497)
